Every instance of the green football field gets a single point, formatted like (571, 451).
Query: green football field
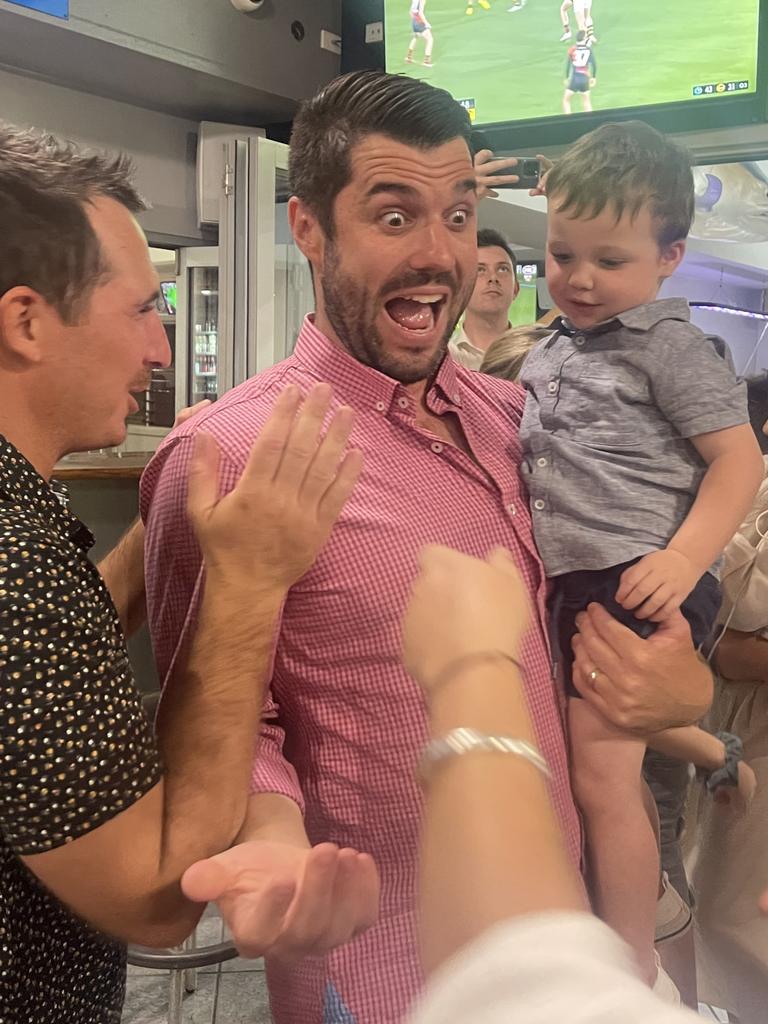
(512, 64)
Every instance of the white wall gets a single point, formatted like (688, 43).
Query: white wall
(191, 58)
(163, 147)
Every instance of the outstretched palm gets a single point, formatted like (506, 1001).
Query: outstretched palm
(286, 901)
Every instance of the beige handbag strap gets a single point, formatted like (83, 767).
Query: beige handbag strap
(763, 534)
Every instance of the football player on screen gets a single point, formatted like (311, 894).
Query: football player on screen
(421, 29)
(580, 73)
(471, 6)
(582, 11)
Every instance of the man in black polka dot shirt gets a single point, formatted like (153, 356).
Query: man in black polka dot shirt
(98, 820)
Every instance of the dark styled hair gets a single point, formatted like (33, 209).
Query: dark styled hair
(46, 240)
(350, 108)
(757, 406)
(489, 236)
(624, 166)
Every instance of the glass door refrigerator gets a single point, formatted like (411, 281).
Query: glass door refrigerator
(280, 284)
(199, 357)
(240, 304)
(204, 333)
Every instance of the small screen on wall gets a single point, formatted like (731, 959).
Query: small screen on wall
(511, 60)
(168, 291)
(523, 310)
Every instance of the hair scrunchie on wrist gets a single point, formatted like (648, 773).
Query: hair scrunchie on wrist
(728, 775)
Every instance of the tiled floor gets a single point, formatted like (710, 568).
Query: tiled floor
(234, 992)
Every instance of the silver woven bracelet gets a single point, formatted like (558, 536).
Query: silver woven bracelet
(464, 741)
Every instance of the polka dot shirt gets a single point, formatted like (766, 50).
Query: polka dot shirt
(75, 749)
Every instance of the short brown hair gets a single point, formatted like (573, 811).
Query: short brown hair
(46, 240)
(505, 356)
(352, 107)
(625, 166)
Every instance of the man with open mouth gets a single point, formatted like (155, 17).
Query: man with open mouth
(384, 208)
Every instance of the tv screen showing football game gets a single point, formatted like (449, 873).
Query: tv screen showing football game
(510, 60)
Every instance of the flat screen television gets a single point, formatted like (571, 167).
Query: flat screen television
(168, 296)
(681, 65)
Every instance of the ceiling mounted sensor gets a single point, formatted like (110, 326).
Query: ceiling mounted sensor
(247, 5)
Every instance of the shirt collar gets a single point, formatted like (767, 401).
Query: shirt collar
(462, 340)
(22, 485)
(358, 385)
(639, 318)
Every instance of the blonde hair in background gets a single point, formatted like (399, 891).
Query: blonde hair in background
(506, 355)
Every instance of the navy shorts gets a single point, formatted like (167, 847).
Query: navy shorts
(573, 591)
(579, 83)
(417, 27)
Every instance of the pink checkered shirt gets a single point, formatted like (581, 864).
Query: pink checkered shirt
(344, 723)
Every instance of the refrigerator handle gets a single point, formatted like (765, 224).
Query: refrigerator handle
(233, 266)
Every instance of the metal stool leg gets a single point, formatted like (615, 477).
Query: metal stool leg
(183, 963)
(190, 974)
(176, 997)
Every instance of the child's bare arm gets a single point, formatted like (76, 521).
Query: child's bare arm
(734, 474)
(659, 583)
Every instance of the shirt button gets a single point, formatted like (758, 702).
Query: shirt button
(578, 340)
(541, 462)
(403, 403)
(380, 407)
(457, 399)
(538, 505)
(437, 447)
(552, 387)
(512, 510)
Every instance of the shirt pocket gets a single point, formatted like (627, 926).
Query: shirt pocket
(608, 405)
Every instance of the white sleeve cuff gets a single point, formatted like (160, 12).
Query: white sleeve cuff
(544, 969)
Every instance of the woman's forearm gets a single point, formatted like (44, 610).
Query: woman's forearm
(742, 657)
(492, 848)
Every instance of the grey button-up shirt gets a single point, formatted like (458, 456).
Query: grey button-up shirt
(608, 416)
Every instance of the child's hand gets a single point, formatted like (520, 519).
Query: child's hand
(657, 585)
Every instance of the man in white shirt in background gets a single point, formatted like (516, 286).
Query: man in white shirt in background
(487, 315)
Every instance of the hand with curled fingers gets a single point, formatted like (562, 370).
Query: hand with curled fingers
(275, 521)
(656, 585)
(461, 605)
(643, 686)
(487, 178)
(545, 166)
(285, 901)
(486, 166)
